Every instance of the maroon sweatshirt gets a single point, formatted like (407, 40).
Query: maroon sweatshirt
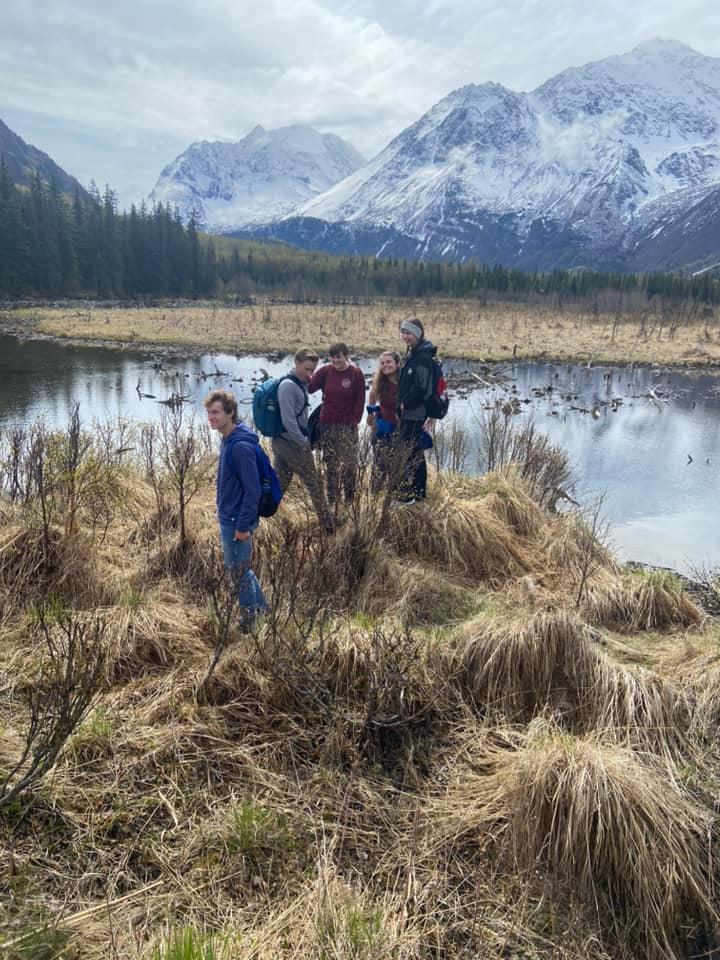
(343, 394)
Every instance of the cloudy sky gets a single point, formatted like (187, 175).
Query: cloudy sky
(115, 90)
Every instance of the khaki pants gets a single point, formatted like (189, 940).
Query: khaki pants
(290, 459)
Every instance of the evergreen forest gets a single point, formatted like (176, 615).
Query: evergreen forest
(52, 245)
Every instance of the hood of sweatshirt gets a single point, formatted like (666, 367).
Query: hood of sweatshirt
(425, 346)
(241, 434)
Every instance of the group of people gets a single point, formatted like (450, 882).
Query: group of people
(397, 414)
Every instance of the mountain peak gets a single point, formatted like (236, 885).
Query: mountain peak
(257, 131)
(665, 47)
(596, 156)
(229, 186)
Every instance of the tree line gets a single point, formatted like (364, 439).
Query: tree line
(55, 245)
(52, 245)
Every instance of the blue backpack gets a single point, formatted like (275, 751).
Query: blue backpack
(271, 492)
(266, 408)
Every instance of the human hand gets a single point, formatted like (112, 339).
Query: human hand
(242, 537)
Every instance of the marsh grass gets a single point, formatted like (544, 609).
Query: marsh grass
(462, 328)
(644, 600)
(597, 816)
(427, 749)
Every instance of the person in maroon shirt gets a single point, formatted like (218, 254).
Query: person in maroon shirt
(343, 391)
(382, 418)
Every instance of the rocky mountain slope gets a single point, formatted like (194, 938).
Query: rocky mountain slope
(22, 161)
(229, 186)
(613, 164)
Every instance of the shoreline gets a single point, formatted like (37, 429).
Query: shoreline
(165, 351)
(191, 348)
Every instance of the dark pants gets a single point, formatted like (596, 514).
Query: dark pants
(339, 445)
(290, 459)
(412, 456)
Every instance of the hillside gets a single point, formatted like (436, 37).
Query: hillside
(22, 161)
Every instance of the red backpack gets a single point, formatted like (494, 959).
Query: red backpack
(439, 403)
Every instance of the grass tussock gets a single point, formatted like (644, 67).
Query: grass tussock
(705, 690)
(485, 539)
(554, 664)
(35, 566)
(599, 821)
(151, 630)
(265, 795)
(653, 600)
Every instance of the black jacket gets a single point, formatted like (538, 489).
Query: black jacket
(416, 381)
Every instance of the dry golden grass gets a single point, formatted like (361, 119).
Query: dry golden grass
(554, 665)
(150, 630)
(461, 328)
(278, 809)
(600, 819)
(642, 601)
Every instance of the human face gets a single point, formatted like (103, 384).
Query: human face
(410, 339)
(388, 364)
(219, 419)
(340, 362)
(305, 370)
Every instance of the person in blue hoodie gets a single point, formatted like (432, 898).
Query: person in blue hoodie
(238, 498)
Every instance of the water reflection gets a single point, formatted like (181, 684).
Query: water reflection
(658, 461)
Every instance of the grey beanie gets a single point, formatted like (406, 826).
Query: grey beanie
(413, 327)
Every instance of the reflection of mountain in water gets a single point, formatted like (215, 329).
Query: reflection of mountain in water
(663, 509)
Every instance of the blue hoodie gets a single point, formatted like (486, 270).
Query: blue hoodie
(238, 480)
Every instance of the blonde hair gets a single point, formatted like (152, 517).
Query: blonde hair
(228, 401)
(302, 356)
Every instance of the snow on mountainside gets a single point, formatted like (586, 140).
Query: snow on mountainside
(260, 178)
(573, 173)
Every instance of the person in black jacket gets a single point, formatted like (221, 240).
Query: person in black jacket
(415, 388)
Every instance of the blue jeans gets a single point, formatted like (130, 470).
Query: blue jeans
(237, 555)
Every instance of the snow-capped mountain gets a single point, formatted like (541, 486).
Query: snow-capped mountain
(229, 186)
(585, 170)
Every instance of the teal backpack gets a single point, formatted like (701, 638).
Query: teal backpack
(266, 409)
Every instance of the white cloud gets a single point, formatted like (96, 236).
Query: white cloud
(133, 83)
(573, 145)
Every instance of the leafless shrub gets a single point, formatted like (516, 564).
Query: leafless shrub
(397, 702)
(183, 450)
(542, 465)
(149, 458)
(59, 477)
(591, 533)
(12, 475)
(69, 678)
(221, 589)
(450, 447)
